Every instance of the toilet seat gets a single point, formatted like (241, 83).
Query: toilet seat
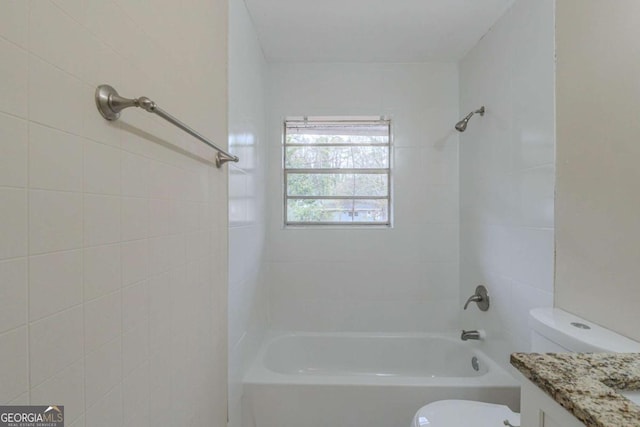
(464, 413)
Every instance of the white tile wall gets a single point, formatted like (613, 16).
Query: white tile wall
(107, 411)
(135, 175)
(102, 271)
(135, 347)
(507, 172)
(13, 151)
(55, 221)
(135, 261)
(13, 299)
(66, 88)
(101, 169)
(60, 338)
(55, 283)
(102, 320)
(135, 409)
(14, 22)
(15, 374)
(65, 386)
(13, 227)
(399, 279)
(135, 306)
(94, 272)
(247, 190)
(101, 219)
(55, 37)
(55, 159)
(13, 72)
(134, 218)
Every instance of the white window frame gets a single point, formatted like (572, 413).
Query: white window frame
(386, 171)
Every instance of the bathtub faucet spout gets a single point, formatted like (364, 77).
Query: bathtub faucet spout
(473, 335)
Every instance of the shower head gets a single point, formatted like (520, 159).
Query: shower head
(461, 126)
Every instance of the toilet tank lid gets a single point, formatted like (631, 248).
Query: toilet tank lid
(577, 334)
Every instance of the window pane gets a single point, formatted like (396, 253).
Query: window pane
(339, 133)
(337, 211)
(302, 184)
(335, 139)
(337, 157)
(336, 170)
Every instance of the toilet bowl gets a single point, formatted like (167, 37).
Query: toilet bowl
(552, 330)
(464, 413)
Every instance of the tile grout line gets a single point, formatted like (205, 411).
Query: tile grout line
(28, 192)
(121, 287)
(84, 326)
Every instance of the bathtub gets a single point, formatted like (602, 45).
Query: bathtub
(364, 380)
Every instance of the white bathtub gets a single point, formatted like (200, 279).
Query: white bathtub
(363, 380)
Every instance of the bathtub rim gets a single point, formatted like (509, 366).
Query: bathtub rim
(257, 373)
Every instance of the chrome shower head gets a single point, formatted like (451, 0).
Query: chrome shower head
(461, 126)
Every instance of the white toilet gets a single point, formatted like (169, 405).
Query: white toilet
(552, 331)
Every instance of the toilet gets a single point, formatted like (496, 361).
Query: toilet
(552, 331)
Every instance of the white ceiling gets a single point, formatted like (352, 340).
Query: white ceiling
(372, 30)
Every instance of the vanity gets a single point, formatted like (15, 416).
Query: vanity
(579, 389)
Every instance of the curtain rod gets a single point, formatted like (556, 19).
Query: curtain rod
(110, 104)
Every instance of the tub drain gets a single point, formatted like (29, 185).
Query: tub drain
(475, 364)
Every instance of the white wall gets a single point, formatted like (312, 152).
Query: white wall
(598, 207)
(507, 171)
(113, 249)
(247, 190)
(399, 279)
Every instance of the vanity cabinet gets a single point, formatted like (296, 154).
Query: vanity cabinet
(540, 410)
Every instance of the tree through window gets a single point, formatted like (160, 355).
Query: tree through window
(337, 171)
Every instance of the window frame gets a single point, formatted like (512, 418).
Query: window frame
(373, 120)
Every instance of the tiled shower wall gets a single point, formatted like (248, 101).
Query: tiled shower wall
(247, 191)
(113, 235)
(403, 278)
(507, 172)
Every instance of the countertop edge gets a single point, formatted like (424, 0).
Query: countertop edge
(585, 384)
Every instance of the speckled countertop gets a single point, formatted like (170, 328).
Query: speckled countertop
(586, 384)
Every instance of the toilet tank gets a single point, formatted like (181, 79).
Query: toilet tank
(556, 331)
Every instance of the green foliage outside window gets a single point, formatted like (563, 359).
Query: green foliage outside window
(334, 177)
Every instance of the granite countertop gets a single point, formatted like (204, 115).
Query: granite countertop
(585, 384)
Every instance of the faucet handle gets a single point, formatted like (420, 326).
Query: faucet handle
(481, 297)
(508, 424)
(472, 298)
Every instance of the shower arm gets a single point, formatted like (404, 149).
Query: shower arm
(478, 111)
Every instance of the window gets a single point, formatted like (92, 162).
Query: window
(337, 171)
